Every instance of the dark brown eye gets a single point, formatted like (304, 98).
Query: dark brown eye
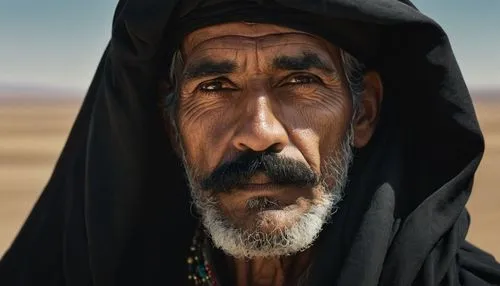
(301, 79)
(215, 86)
(211, 86)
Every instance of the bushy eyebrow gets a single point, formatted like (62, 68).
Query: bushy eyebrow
(306, 61)
(208, 67)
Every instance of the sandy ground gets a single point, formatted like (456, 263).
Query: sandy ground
(32, 135)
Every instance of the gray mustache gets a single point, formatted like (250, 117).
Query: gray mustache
(280, 170)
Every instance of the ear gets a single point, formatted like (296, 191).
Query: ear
(368, 111)
(167, 114)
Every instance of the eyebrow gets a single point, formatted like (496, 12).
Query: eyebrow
(208, 67)
(305, 61)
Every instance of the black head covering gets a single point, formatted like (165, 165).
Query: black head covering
(116, 210)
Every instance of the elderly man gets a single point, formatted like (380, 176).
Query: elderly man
(264, 143)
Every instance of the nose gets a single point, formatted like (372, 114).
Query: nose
(259, 129)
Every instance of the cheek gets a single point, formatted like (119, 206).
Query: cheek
(335, 116)
(200, 126)
(319, 123)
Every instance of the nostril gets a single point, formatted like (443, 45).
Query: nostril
(276, 148)
(241, 146)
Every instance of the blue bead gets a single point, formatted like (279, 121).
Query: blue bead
(201, 271)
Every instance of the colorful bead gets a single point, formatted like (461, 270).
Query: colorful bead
(199, 270)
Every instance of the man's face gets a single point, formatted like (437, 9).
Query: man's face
(265, 123)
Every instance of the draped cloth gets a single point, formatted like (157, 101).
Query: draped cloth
(116, 210)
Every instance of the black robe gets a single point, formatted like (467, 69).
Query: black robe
(116, 210)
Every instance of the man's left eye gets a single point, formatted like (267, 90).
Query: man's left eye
(302, 79)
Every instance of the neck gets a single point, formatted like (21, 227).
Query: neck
(273, 271)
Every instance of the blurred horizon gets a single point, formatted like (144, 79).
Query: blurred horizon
(56, 45)
(33, 91)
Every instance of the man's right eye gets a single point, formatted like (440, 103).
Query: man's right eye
(216, 85)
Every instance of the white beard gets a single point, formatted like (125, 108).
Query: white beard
(244, 243)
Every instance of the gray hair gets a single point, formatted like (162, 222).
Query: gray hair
(354, 71)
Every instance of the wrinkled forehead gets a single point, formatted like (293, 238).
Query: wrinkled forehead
(251, 35)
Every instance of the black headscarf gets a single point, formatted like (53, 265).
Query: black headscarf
(116, 210)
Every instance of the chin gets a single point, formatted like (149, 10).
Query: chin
(267, 230)
(272, 219)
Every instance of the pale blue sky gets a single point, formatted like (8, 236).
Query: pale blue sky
(58, 43)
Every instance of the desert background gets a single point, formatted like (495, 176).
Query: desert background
(50, 49)
(33, 130)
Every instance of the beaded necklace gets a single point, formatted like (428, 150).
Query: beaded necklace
(199, 270)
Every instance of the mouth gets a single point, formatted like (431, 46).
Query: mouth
(259, 187)
(259, 183)
(259, 179)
